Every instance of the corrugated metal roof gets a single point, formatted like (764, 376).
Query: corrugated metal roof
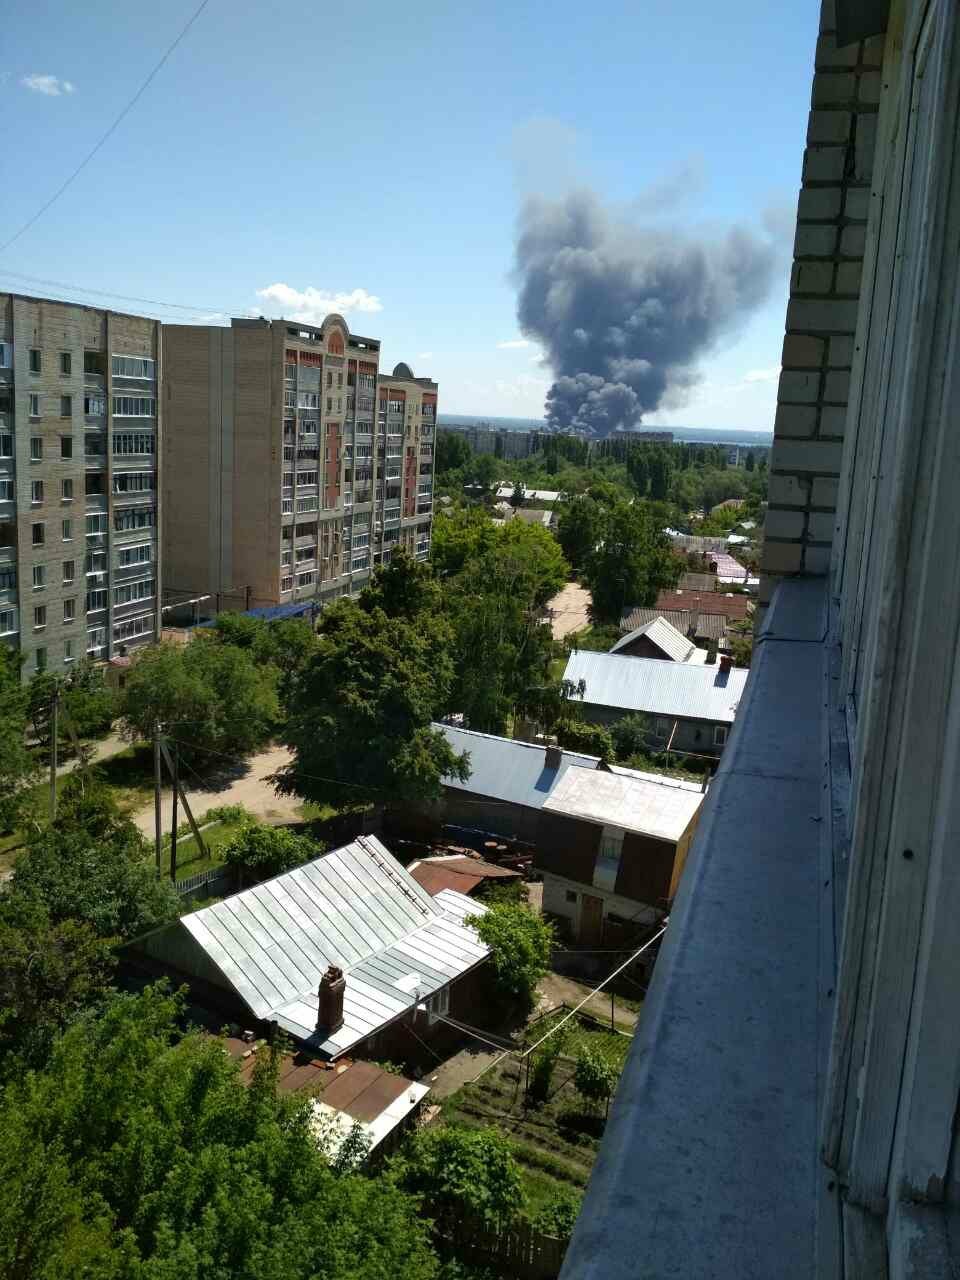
(657, 686)
(682, 619)
(357, 908)
(634, 804)
(664, 780)
(731, 604)
(529, 495)
(455, 872)
(671, 642)
(698, 582)
(507, 770)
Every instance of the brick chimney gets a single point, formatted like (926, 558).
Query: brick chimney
(554, 758)
(330, 1000)
(726, 662)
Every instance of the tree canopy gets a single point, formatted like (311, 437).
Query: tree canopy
(17, 765)
(457, 1170)
(269, 851)
(520, 943)
(632, 562)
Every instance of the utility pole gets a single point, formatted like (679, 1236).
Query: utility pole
(175, 771)
(54, 708)
(157, 794)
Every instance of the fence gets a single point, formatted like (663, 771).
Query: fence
(520, 1252)
(216, 882)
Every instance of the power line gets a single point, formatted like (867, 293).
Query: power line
(109, 133)
(109, 293)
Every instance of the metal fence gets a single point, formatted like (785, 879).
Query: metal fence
(216, 882)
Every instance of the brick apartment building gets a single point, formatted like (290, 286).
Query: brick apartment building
(79, 425)
(292, 465)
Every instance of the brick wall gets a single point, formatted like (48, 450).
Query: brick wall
(822, 311)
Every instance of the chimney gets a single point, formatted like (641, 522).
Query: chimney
(554, 758)
(330, 1000)
(726, 662)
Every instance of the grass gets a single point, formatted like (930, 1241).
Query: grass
(311, 812)
(129, 775)
(189, 858)
(582, 1034)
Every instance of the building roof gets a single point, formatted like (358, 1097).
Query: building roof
(658, 687)
(695, 541)
(456, 872)
(728, 569)
(632, 803)
(681, 619)
(529, 495)
(663, 779)
(377, 1100)
(698, 582)
(728, 504)
(673, 644)
(533, 515)
(508, 770)
(356, 908)
(731, 606)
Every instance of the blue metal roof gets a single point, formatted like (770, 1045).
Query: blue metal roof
(507, 770)
(273, 612)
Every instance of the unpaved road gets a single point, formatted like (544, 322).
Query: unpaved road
(246, 784)
(569, 608)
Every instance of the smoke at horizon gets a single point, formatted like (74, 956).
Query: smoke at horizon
(624, 313)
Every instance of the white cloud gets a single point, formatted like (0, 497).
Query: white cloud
(425, 355)
(513, 344)
(314, 305)
(762, 375)
(52, 86)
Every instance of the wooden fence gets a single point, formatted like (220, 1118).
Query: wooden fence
(520, 1251)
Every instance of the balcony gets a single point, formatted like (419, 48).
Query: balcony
(286, 506)
(95, 381)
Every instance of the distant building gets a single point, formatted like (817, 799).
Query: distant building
(531, 497)
(659, 639)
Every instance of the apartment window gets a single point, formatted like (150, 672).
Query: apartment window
(131, 628)
(308, 400)
(96, 600)
(36, 448)
(286, 584)
(306, 477)
(39, 534)
(339, 404)
(361, 540)
(39, 659)
(329, 404)
(8, 621)
(329, 379)
(36, 491)
(287, 480)
(134, 407)
(34, 405)
(39, 576)
(69, 571)
(66, 489)
(134, 518)
(66, 446)
(96, 523)
(66, 530)
(96, 639)
(8, 577)
(306, 579)
(134, 482)
(68, 651)
(66, 363)
(93, 484)
(719, 735)
(69, 610)
(6, 490)
(289, 399)
(66, 406)
(130, 591)
(361, 561)
(6, 446)
(94, 406)
(139, 554)
(6, 354)
(127, 442)
(132, 367)
(95, 562)
(35, 360)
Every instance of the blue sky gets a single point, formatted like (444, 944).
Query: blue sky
(375, 156)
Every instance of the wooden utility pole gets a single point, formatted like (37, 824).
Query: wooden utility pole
(175, 777)
(54, 708)
(179, 793)
(157, 795)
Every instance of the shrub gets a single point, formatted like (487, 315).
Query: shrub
(595, 1076)
(630, 735)
(457, 1170)
(520, 943)
(557, 1217)
(269, 851)
(591, 739)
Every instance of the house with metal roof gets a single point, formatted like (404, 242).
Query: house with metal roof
(612, 848)
(691, 707)
(461, 872)
(659, 639)
(332, 952)
(508, 783)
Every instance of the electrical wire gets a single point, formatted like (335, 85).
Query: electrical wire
(109, 293)
(101, 142)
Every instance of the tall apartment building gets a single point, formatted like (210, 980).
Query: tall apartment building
(293, 466)
(79, 424)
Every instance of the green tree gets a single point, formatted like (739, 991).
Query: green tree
(595, 1077)
(591, 739)
(458, 537)
(482, 470)
(520, 943)
(141, 1155)
(459, 1170)
(559, 1215)
(210, 696)
(630, 735)
(85, 700)
(17, 764)
(632, 563)
(519, 495)
(579, 528)
(452, 452)
(360, 725)
(265, 851)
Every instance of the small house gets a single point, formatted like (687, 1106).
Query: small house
(659, 639)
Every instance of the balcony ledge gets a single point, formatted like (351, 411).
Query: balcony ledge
(709, 1165)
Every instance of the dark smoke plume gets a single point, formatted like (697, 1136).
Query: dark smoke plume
(623, 313)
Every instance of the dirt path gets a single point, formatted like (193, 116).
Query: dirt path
(246, 784)
(555, 990)
(569, 610)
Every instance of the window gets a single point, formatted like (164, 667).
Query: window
(132, 367)
(129, 591)
(66, 530)
(36, 491)
(39, 534)
(141, 553)
(36, 448)
(329, 404)
(93, 484)
(127, 442)
(94, 406)
(66, 489)
(306, 477)
(130, 628)
(134, 407)
(66, 363)
(308, 400)
(662, 727)
(68, 650)
(96, 639)
(36, 360)
(39, 659)
(329, 379)
(66, 446)
(8, 621)
(607, 865)
(134, 482)
(570, 896)
(66, 406)
(96, 523)
(134, 518)
(8, 577)
(286, 584)
(719, 735)
(39, 576)
(96, 600)
(306, 579)
(6, 490)
(6, 446)
(6, 353)
(39, 617)
(34, 405)
(69, 609)
(69, 571)
(95, 562)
